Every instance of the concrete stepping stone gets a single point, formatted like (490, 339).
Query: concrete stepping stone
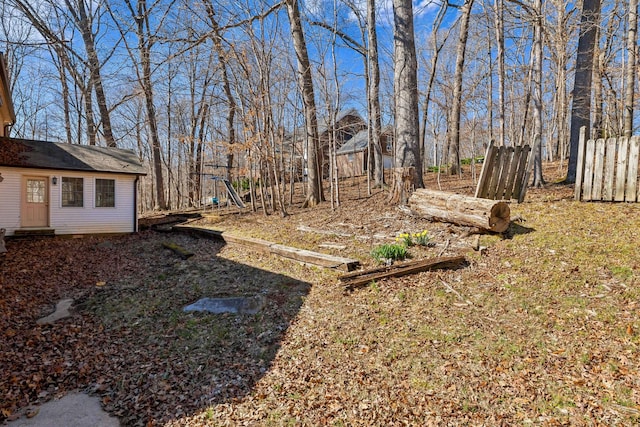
(62, 311)
(72, 410)
(235, 305)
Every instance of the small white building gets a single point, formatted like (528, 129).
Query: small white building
(55, 188)
(51, 188)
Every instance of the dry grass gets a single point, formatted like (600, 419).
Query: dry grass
(539, 329)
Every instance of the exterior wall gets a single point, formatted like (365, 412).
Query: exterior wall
(351, 164)
(70, 220)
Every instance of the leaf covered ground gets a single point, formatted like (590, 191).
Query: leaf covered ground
(541, 328)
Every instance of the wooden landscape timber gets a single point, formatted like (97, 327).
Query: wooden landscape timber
(488, 215)
(177, 249)
(363, 278)
(3, 248)
(302, 255)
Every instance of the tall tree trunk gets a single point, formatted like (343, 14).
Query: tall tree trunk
(405, 84)
(314, 184)
(88, 106)
(456, 108)
(231, 103)
(632, 48)
(84, 24)
(499, 16)
(581, 108)
(536, 73)
(432, 77)
(375, 123)
(144, 47)
(598, 100)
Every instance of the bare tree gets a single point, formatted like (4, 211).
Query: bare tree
(408, 163)
(499, 27)
(632, 48)
(456, 107)
(314, 184)
(581, 108)
(82, 14)
(373, 101)
(141, 18)
(536, 73)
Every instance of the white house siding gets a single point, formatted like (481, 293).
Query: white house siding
(70, 220)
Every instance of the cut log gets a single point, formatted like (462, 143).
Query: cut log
(436, 205)
(362, 278)
(179, 250)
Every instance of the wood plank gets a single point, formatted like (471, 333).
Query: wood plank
(178, 250)
(609, 169)
(504, 173)
(631, 191)
(511, 175)
(587, 185)
(580, 165)
(598, 170)
(316, 258)
(359, 279)
(522, 166)
(621, 168)
(527, 173)
(495, 178)
(302, 255)
(485, 173)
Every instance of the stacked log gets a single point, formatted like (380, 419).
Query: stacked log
(485, 214)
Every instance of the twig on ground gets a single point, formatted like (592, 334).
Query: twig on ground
(446, 245)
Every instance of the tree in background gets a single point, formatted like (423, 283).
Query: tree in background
(581, 108)
(314, 167)
(630, 74)
(408, 163)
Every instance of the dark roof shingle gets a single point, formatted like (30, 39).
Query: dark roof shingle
(51, 155)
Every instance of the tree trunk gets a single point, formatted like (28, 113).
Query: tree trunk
(84, 24)
(581, 108)
(231, 111)
(375, 125)
(632, 48)
(144, 48)
(536, 73)
(314, 183)
(485, 214)
(405, 82)
(499, 15)
(456, 107)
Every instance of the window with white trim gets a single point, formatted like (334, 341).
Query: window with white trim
(105, 193)
(72, 192)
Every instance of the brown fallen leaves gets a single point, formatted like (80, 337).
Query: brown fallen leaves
(549, 335)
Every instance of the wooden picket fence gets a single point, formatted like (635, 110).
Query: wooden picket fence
(505, 172)
(607, 169)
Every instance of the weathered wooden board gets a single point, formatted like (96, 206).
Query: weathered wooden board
(363, 278)
(505, 172)
(621, 169)
(607, 170)
(302, 255)
(630, 192)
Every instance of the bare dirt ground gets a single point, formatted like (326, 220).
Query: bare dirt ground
(541, 328)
